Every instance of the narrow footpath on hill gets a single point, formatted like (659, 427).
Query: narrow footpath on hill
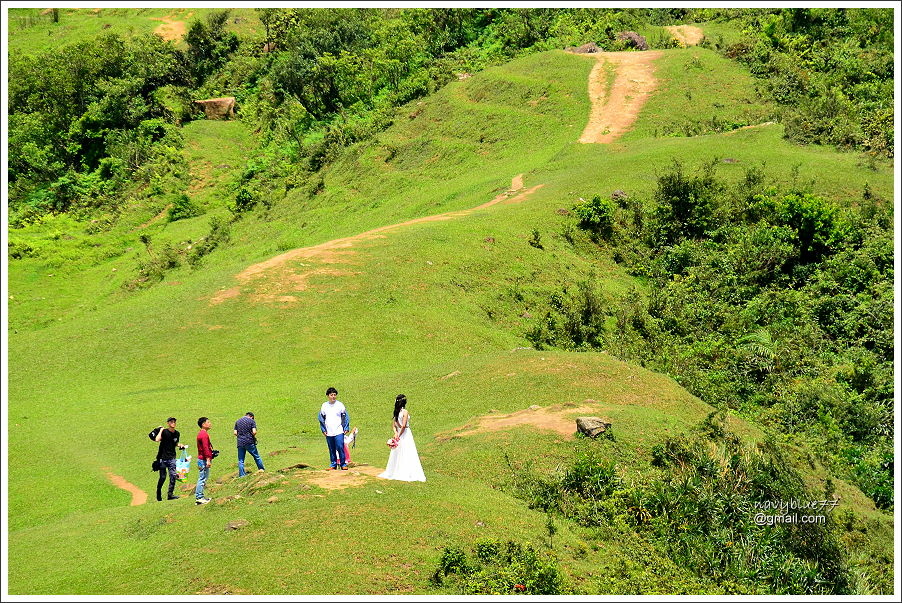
(275, 279)
(615, 109)
(139, 496)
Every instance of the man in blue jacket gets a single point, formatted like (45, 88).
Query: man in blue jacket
(334, 423)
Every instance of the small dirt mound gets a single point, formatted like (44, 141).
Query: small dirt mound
(356, 475)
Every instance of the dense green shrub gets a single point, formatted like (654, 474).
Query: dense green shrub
(759, 300)
(220, 232)
(831, 69)
(710, 510)
(498, 568)
(182, 207)
(70, 108)
(596, 216)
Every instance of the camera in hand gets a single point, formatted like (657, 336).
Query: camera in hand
(215, 453)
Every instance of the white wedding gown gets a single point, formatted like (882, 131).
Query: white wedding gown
(403, 460)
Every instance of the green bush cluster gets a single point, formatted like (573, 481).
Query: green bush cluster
(703, 512)
(499, 568)
(831, 69)
(777, 303)
(153, 268)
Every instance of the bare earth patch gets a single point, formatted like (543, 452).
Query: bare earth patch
(614, 111)
(139, 496)
(170, 30)
(560, 418)
(357, 475)
(276, 278)
(687, 35)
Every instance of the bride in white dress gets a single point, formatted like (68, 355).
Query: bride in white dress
(403, 460)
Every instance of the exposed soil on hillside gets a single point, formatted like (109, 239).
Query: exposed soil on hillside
(687, 35)
(169, 29)
(276, 278)
(356, 475)
(615, 110)
(560, 418)
(139, 496)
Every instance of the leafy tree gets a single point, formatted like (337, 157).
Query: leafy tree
(209, 45)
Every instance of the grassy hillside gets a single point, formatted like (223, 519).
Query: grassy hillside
(33, 30)
(437, 310)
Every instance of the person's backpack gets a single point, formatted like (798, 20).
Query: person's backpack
(154, 433)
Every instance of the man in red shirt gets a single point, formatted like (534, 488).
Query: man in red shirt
(204, 459)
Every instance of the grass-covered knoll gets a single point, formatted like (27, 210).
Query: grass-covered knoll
(689, 101)
(436, 310)
(33, 30)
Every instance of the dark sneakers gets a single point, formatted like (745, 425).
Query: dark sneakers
(172, 497)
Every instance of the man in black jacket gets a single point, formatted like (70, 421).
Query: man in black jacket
(168, 439)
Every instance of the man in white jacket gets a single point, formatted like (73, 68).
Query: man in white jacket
(334, 423)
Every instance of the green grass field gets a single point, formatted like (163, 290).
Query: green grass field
(436, 310)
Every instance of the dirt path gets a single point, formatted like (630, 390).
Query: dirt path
(614, 111)
(170, 29)
(560, 418)
(275, 279)
(139, 496)
(687, 35)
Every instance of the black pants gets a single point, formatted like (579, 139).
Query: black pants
(166, 465)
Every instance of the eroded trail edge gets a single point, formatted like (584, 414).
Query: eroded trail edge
(139, 496)
(276, 278)
(615, 109)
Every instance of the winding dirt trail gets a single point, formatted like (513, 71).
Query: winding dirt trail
(615, 110)
(139, 496)
(687, 35)
(275, 278)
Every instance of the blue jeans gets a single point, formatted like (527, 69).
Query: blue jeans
(167, 467)
(203, 472)
(336, 450)
(242, 450)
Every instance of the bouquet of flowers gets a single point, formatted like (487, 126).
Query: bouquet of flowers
(392, 442)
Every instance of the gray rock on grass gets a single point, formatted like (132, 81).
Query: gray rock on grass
(592, 426)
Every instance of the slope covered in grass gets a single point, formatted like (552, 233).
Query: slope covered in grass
(436, 310)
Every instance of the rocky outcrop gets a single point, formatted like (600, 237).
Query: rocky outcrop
(589, 48)
(592, 426)
(633, 40)
(218, 108)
